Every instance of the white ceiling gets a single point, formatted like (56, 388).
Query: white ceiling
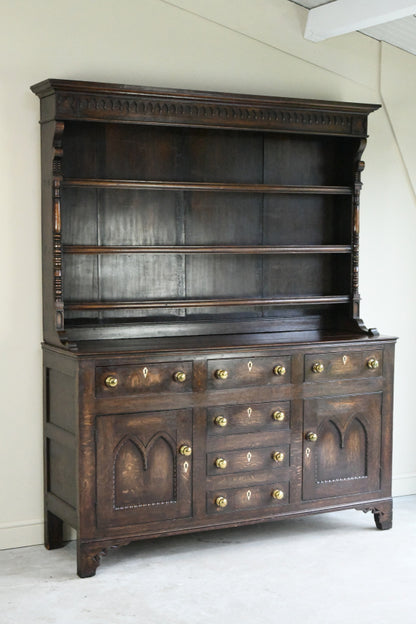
(400, 33)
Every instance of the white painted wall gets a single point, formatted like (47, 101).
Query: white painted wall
(238, 45)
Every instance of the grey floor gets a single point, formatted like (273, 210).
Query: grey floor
(334, 568)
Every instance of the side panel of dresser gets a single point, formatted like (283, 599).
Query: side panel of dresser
(60, 399)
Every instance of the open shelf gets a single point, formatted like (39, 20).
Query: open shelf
(207, 249)
(171, 223)
(197, 303)
(157, 185)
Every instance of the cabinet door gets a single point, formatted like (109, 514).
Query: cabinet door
(141, 474)
(345, 457)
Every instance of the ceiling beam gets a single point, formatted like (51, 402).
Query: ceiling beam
(344, 16)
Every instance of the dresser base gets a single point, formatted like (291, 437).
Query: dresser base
(191, 440)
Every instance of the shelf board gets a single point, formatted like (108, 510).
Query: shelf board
(207, 249)
(202, 303)
(156, 185)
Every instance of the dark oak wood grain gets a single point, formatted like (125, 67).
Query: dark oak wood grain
(205, 363)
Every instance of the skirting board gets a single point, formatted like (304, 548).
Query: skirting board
(30, 533)
(404, 485)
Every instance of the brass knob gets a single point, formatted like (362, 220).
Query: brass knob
(185, 450)
(220, 501)
(220, 462)
(278, 456)
(111, 381)
(278, 494)
(278, 415)
(311, 436)
(317, 367)
(279, 370)
(373, 363)
(221, 374)
(221, 421)
(180, 377)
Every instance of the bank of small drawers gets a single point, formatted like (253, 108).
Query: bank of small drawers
(248, 456)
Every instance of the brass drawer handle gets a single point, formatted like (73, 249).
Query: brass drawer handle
(221, 374)
(179, 376)
(278, 494)
(311, 436)
(318, 367)
(111, 381)
(221, 421)
(372, 363)
(278, 415)
(221, 463)
(278, 456)
(185, 450)
(221, 501)
(279, 370)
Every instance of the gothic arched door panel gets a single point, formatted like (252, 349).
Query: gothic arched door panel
(341, 447)
(141, 474)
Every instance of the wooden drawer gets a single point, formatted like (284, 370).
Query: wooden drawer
(246, 418)
(248, 460)
(248, 372)
(248, 498)
(339, 365)
(143, 378)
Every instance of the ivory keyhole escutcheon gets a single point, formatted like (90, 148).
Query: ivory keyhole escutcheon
(344, 359)
(249, 412)
(249, 456)
(185, 467)
(250, 366)
(145, 372)
(308, 452)
(248, 494)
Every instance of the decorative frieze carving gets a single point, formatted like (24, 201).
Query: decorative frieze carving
(174, 110)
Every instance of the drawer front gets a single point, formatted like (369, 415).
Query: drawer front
(246, 418)
(234, 373)
(143, 378)
(248, 460)
(339, 365)
(248, 498)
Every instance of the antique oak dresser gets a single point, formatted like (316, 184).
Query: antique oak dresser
(205, 364)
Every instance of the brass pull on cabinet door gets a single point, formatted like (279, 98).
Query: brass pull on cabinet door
(185, 450)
